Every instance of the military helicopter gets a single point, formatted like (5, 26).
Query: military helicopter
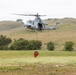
(38, 23)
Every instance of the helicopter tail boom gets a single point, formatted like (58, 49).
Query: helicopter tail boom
(53, 27)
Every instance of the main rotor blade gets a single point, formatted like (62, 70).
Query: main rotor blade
(21, 14)
(28, 14)
(36, 15)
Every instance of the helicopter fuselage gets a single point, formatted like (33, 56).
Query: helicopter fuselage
(35, 24)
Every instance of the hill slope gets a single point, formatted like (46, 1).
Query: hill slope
(65, 32)
(9, 25)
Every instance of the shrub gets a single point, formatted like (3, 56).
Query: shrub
(4, 47)
(50, 46)
(22, 44)
(68, 46)
(4, 42)
(19, 44)
(35, 44)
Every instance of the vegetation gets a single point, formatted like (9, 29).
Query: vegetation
(47, 63)
(4, 42)
(35, 45)
(50, 46)
(17, 58)
(19, 44)
(67, 27)
(22, 44)
(69, 46)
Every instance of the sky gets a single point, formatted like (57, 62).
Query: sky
(51, 8)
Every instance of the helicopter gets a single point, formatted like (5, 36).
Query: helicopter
(38, 23)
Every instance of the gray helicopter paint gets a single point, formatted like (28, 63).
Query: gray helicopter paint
(38, 23)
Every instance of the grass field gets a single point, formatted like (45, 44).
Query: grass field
(47, 63)
(56, 62)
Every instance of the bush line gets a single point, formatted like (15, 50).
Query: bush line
(22, 44)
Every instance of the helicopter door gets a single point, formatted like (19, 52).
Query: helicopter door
(39, 26)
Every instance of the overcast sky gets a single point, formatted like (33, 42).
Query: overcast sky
(52, 8)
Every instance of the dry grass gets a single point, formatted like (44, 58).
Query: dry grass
(59, 37)
(65, 32)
